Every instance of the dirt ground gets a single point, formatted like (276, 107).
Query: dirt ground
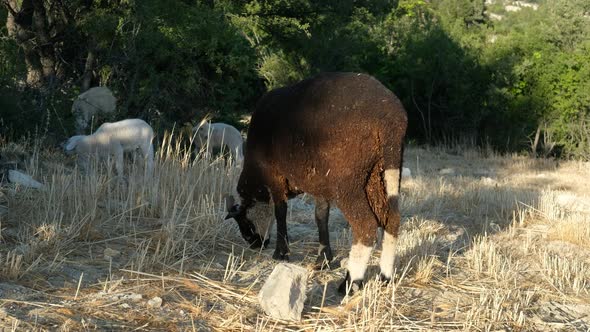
(488, 242)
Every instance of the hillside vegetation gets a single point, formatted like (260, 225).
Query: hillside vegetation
(510, 74)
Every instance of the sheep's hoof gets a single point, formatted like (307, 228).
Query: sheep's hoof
(348, 286)
(323, 261)
(280, 256)
(384, 279)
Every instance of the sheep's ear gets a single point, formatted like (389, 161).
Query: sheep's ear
(233, 212)
(229, 201)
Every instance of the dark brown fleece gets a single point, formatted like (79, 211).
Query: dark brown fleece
(331, 136)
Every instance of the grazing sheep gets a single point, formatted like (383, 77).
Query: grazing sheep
(338, 137)
(97, 100)
(218, 136)
(113, 139)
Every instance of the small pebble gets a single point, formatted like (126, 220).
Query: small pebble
(155, 302)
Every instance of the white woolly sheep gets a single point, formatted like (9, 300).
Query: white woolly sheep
(113, 139)
(97, 100)
(218, 136)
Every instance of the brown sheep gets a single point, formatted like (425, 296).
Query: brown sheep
(338, 137)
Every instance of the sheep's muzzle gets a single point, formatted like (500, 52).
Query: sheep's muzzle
(246, 226)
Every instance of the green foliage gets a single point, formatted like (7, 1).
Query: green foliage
(182, 60)
(458, 73)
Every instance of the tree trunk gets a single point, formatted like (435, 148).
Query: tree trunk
(28, 25)
(46, 49)
(87, 79)
(536, 141)
(18, 25)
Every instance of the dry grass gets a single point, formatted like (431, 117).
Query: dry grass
(498, 243)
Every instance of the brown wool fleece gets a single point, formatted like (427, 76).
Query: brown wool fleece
(331, 136)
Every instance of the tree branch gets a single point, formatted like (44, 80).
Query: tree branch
(9, 8)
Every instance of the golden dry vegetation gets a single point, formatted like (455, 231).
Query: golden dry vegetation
(488, 243)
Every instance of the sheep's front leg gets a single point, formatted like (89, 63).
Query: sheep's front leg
(282, 246)
(148, 158)
(119, 160)
(322, 213)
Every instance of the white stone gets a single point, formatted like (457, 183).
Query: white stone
(481, 172)
(497, 18)
(406, 172)
(110, 253)
(283, 293)
(447, 171)
(488, 181)
(23, 179)
(155, 302)
(133, 297)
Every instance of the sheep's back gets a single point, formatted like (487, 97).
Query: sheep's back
(130, 133)
(229, 134)
(325, 131)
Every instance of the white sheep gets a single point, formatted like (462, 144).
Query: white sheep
(218, 136)
(97, 100)
(113, 139)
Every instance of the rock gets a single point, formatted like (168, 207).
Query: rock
(110, 253)
(447, 171)
(133, 297)
(482, 173)
(283, 293)
(3, 313)
(406, 172)
(155, 302)
(488, 181)
(23, 179)
(15, 292)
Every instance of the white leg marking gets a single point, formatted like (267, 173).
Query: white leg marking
(387, 255)
(357, 261)
(392, 182)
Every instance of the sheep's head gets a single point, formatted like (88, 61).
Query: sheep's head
(80, 118)
(254, 220)
(201, 133)
(70, 145)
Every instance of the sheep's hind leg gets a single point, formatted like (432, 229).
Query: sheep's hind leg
(148, 158)
(391, 228)
(119, 161)
(322, 213)
(363, 223)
